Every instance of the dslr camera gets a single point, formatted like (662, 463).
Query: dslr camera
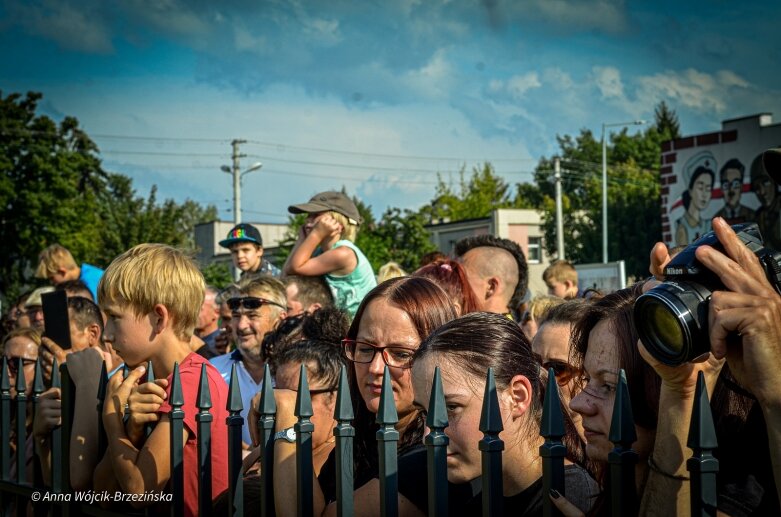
(672, 318)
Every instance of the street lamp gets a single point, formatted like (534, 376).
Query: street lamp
(237, 186)
(604, 180)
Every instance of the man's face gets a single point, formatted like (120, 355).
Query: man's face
(294, 307)
(765, 190)
(246, 256)
(251, 325)
(731, 187)
(207, 317)
(35, 314)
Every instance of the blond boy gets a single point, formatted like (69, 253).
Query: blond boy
(56, 264)
(561, 279)
(152, 294)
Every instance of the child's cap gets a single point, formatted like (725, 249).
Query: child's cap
(242, 233)
(327, 201)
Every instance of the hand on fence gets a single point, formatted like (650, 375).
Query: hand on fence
(48, 352)
(143, 405)
(751, 309)
(47, 413)
(566, 508)
(117, 393)
(286, 403)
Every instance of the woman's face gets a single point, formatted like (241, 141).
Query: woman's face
(701, 191)
(464, 402)
(25, 348)
(595, 401)
(382, 325)
(323, 402)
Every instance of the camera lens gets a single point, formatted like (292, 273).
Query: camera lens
(671, 320)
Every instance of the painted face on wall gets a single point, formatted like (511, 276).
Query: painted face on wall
(701, 191)
(732, 187)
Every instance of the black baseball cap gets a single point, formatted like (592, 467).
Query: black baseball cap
(327, 201)
(242, 233)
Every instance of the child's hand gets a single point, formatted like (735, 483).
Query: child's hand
(143, 405)
(48, 413)
(118, 392)
(326, 226)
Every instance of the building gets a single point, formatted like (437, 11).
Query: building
(208, 237)
(523, 226)
(720, 173)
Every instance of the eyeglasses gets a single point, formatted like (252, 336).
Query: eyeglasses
(13, 363)
(363, 353)
(731, 184)
(563, 371)
(250, 303)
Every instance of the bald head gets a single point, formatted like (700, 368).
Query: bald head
(493, 275)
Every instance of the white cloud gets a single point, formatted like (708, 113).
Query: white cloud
(608, 80)
(691, 88)
(605, 15)
(245, 41)
(67, 25)
(516, 86)
(558, 79)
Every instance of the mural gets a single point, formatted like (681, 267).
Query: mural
(705, 176)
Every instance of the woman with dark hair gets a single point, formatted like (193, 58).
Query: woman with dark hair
(451, 276)
(691, 226)
(604, 342)
(464, 350)
(388, 327)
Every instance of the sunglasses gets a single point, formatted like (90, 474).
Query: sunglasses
(731, 184)
(250, 303)
(563, 371)
(364, 353)
(13, 363)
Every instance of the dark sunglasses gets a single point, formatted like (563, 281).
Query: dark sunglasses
(731, 184)
(13, 363)
(563, 371)
(250, 303)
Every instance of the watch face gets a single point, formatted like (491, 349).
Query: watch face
(290, 434)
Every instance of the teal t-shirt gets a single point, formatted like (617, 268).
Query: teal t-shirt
(348, 290)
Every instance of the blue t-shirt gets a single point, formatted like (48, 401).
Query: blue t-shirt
(91, 275)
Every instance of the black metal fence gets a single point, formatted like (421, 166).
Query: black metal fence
(58, 499)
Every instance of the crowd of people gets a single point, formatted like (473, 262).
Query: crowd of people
(458, 315)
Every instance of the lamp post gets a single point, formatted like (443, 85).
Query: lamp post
(604, 180)
(237, 185)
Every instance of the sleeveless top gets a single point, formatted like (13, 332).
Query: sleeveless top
(348, 290)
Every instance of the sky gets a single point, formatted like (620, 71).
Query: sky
(378, 97)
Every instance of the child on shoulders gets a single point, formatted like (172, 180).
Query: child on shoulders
(325, 247)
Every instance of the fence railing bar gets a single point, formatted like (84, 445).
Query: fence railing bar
(387, 444)
(5, 424)
(176, 417)
(235, 422)
(345, 436)
(21, 424)
(436, 444)
(702, 466)
(304, 428)
(622, 459)
(553, 450)
(267, 411)
(491, 447)
(204, 420)
(68, 409)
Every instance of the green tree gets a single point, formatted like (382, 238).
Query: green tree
(53, 188)
(475, 197)
(633, 193)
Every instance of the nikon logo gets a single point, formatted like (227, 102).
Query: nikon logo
(675, 271)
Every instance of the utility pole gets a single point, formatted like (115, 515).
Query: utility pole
(559, 210)
(236, 181)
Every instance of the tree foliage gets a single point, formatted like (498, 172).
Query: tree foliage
(633, 192)
(53, 188)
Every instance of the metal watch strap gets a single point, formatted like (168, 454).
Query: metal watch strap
(289, 435)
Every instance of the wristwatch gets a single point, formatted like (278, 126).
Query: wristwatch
(289, 435)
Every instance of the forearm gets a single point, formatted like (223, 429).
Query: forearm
(772, 414)
(44, 453)
(665, 495)
(285, 482)
(300, 254)
(84, 437)
(124, 458)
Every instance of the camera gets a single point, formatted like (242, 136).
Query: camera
(672, 318)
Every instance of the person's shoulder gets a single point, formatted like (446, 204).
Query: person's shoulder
(89, 269)
(223, 362)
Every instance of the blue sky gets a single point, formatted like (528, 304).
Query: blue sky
(376, 96)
